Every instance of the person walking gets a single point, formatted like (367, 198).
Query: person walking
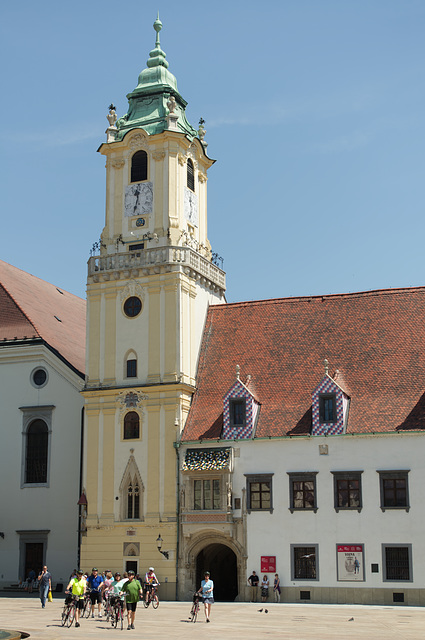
(276, 588)
(264, 589)
(77, 585)
(206, 590)
(94, 583)
(133, 591)
(253, 581)
(45, 585)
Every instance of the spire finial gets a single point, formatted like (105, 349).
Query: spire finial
(157, 25)
(326, 363)
(157, 56)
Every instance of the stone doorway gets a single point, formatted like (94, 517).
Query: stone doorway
(221, 562)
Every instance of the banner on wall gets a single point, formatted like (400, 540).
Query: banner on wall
(350, 562)
(268, 564)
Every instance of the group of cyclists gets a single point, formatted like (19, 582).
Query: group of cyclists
(107, 589)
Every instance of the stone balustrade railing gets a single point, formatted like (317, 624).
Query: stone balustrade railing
(158, 257)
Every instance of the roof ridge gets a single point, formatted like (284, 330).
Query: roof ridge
(20, 309)
(325, 296)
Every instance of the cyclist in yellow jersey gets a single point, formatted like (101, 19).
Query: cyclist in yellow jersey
(78, 587)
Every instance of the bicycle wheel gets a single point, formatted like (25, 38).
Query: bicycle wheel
(155, 602)
(87, 607)
(122, 617)
(71, 616)
(146, 604)
(114, 617)
(65, 613)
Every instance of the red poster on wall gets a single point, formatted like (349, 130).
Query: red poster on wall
(268, 564)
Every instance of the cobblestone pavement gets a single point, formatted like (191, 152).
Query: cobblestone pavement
(228, 620)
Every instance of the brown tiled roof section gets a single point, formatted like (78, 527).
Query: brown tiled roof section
(33, 308)
(374, 339)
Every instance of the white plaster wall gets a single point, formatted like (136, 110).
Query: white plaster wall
(271, 534)
(37, 508)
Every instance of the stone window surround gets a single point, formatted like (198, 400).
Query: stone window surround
(384, 563)
(45, 413)
(347, 475)
(316, 553)
(304, 476)
(258, 477)
(394, 474)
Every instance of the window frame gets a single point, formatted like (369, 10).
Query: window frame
(407, 546)
(190, 175)
(293, 547)
(322, 398)
(253, 478)
(302, 476)
(135, 499)
(394, 474)
(30, 414)
(139, 153)
(131, 363)
(232, 403)
(347, 475)
(128, 413)
(212, 480)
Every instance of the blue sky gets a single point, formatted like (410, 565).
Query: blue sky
(314, 110)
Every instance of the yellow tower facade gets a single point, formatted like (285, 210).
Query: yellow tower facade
(148, 292)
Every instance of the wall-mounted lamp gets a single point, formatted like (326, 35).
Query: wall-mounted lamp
(159, 542)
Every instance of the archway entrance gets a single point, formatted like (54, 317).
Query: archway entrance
(221, 562)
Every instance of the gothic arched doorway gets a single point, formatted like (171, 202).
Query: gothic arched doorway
(221, 562)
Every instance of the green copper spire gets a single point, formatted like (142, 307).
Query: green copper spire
(148, 103)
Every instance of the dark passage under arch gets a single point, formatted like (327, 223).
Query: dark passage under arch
(221, 562)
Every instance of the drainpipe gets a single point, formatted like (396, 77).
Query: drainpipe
(177, 447)
(80, 488)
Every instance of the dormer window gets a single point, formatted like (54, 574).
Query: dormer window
(190, 175)
(139, 167)
(237, 408)
(327, 408)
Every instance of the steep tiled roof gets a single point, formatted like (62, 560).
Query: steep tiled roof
(31, 308)
(375, 340)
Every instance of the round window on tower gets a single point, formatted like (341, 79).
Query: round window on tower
(132, 307)
(39, 377)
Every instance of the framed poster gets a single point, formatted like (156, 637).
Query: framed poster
(268, 564)
(350, 562)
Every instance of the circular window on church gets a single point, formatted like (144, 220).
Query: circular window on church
(132, 307)
(39, 377)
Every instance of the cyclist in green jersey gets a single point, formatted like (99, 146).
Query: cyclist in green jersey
(78, 588)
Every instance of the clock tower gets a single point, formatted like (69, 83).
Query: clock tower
(148, 292)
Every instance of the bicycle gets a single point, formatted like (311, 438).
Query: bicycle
(117, 612)
(69, 610)
(107, 606)
(85, 611)
(152, 597)
(195, 607)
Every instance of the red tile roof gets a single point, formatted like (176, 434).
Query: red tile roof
(33, 308)
(374, 339)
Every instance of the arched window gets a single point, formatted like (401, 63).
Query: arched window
(139, 166)
(36, 455)
(131, 425)
(190, 175)
(133, 500)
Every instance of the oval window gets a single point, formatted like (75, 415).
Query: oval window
(132, 307)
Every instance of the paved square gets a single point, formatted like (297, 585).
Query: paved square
(228, 620)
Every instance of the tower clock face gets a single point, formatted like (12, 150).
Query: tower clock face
(138, 199)
(191, 206)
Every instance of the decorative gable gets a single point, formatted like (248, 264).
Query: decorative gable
(329, 408)
(240, 411)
